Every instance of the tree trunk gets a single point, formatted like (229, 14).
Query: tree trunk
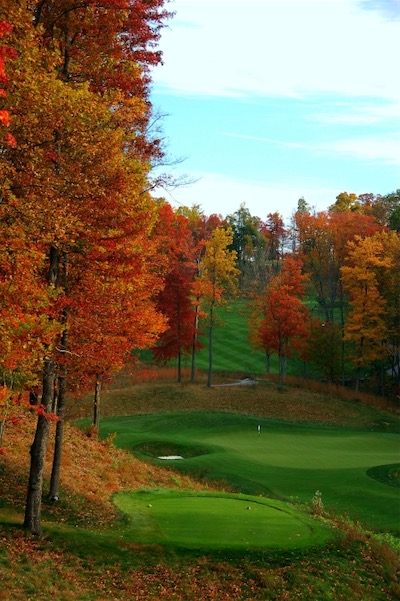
(2, 426)
(210, 347)
(194, 344)
(32, 521)
(54, 491)
(97, 402)
(179, 367)
(357, 386)
(267, 362)
(33, 507)
(282, 368)
(343, 348)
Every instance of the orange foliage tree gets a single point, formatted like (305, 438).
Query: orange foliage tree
(202, 228)
(279, 321)
(372, 281)
(322, 240)
(24, 328)
(175, 300)
(77, 179)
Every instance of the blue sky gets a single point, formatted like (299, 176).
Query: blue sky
(269, 101)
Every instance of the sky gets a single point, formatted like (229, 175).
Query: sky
(265, 102)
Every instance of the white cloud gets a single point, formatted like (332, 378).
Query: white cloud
(277, 48)
(369, 148)
(358, 114)
(381, 148)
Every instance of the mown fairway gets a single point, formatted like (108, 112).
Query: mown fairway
(232, 351)
(284, 461)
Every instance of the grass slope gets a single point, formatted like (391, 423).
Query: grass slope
(232, 351)
(86, 556)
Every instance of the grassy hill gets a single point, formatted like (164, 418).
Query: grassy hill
(85, 553)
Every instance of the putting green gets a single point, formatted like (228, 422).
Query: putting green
(284, 461)
(218, 521)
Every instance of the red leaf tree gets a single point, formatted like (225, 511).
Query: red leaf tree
(279, 323)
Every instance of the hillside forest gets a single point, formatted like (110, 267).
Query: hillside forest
(94, 268)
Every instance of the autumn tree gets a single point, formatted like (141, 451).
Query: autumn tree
(175, 301)
(202, 228)
(110, 320)
(78, 177)
(217, 280)
(323, 241)
(390, 208)
(371, 279)
(246, 242)
(276, 234)
(346, 202)
(279, 325)
(24, 299)
(324, 348)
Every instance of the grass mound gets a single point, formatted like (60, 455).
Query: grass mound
(218, 521)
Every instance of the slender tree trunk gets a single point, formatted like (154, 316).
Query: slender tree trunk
(33, 507)
(194, 344)
(97, 402)
(281, 370)
(54, 491)
(343, 349)
(357, 386)
(267, 362)
(32, 521)
(2, 426)
(179, 367)
(210, 347)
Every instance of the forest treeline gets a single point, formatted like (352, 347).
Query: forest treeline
(92, 265)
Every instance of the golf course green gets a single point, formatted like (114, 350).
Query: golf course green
(277, 460)
(217, 521)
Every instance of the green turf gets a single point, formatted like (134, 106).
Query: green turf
(232, 351)
(289, 462)
(217, 521)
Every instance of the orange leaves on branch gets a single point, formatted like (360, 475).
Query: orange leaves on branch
(5, 118)
(5, 52)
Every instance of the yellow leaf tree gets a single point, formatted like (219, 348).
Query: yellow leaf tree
(218, 279)
(363, 279)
